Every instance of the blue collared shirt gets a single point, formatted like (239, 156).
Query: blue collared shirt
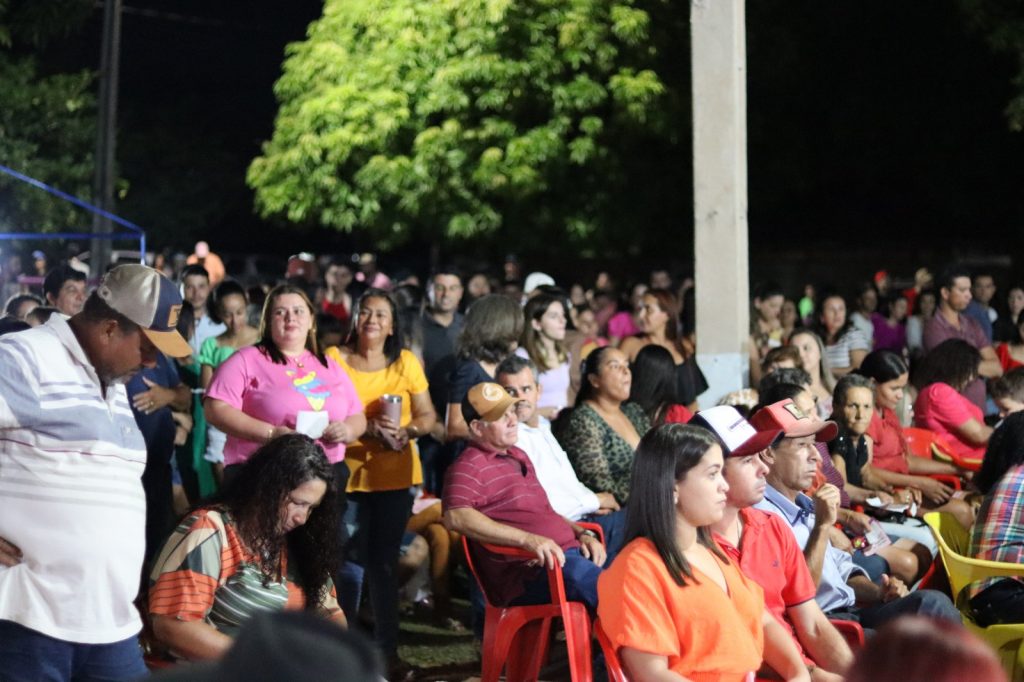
(837, 567)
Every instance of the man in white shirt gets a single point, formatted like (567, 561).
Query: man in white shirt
(567, 495)
(71, 460)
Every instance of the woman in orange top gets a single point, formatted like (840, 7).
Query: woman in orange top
(671, 602)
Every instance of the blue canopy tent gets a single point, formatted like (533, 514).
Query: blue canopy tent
(136, 233)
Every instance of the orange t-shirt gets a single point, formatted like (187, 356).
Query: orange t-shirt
(707, 635)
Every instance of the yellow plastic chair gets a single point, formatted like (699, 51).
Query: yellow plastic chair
(954, 547)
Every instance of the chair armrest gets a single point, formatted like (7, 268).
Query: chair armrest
(595, 527)
(505, 550)
(949, 479)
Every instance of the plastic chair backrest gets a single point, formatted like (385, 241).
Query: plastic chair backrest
(954, 547)
(919, 441)
(612, 664)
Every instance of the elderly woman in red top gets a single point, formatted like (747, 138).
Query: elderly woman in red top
(891, 459)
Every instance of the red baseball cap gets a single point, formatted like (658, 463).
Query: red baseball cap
(793, 422)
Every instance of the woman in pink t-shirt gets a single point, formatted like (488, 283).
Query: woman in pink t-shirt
(945, 371)
(260, 391)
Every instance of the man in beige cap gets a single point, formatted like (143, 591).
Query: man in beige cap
(492, 495)
(71, 458)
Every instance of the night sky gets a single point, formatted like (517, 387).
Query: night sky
(876, 131)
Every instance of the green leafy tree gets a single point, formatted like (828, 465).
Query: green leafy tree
(1002, 23)
(455, 118)
(47, 121)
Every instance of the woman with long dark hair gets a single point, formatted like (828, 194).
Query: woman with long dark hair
(266, 541)
(815, 363)
(944, 374)
(655, 388)
(384, 463)
(845, 345)
(658, 319)
(998, 533)
(671, 602)
(604, 428)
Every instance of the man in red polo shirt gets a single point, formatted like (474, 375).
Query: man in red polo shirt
(764, 546)
(492, 494)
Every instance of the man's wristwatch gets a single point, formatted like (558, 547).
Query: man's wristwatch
(587, 532)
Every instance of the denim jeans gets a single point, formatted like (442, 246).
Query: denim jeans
(30, 656)
(614, 527)
(580, 577)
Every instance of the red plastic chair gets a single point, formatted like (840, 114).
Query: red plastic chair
(516, 637)
(611, 655)
(852, 632)
(930, 445)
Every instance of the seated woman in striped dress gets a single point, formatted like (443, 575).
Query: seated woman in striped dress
(267, 541)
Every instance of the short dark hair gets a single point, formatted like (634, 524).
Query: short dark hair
(193, 270)
(784, 375)
(664, 456)
(514, 364)
(9, 325)
(777, 393)
(780, 353)
(328, 324)
(56, 277)
(16, 301)
(41, 314)
(448, 269)
(1010, 385)
(950, 274)
(767, 289)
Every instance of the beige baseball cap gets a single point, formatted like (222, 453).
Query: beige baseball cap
(487, 401)
(151, 301)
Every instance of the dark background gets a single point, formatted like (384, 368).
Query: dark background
(876, 139)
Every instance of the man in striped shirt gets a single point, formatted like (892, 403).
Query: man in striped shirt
(71, 458)
(492, 495)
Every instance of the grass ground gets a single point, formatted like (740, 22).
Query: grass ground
(436, 653)
(441, 655)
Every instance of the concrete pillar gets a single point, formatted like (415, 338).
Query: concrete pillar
(718, 65)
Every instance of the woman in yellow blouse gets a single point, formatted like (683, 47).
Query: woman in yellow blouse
(384, 463)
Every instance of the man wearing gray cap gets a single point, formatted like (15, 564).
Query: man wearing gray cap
(71, 458)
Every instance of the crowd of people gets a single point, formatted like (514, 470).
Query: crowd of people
(299, 440)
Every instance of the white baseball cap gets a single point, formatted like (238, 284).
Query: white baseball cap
(737, 436)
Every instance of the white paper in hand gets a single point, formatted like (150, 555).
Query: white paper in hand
(310, 423)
